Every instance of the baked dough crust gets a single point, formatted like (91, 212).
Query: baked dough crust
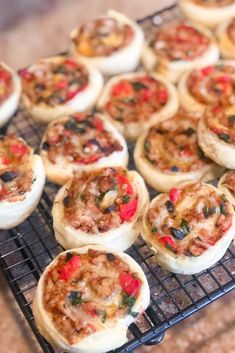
(188, 265)
(10, 105)
(14, 213)
(172, 70)
(114, 333)
(120, 238)
(227, 47)
(189, 102)
(79, 103)
(224, 188)
(209, 17)
(164, 181)
(133, 130)
(61, 171)
(219, 151)
(124, 60)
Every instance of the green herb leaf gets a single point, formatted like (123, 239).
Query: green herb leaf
(190, 131)
(223, 137)
(104, 316)
(170, 207)
(169, 247)
(146, 146)
(129, 301)
(222, 208)
(231, 118)
(154, 229)
(138, 86)
(69, 256)
(185, 226)
(208, 211)
(75, 298)
(125, 198)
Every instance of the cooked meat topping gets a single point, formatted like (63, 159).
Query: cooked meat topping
(83, 292)
(213, 3)
(102, 37)
(54, 83)
(213, 84)
(136, 99)
(221, 122)
(101, 200)
(231, 30)
(171, 146)
(6, 84)
(179, 41)
(16, 174)
(198, 218)
(82, 138)
(229, 182)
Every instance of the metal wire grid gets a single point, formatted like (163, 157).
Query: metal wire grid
(28, 248)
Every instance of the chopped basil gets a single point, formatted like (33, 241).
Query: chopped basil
(154, 230)
(129, 301)
(146, 146)
(138, 86)
(170, 207)
(104, 316)
(231, 118)
(128, 100)
(223, 197)
(125, 198)
(75, 298)
(222, 208)
(208, 211)
(189, 132)
(169, 247)
(83, 197)
(177, 233)
(69, 256)
(73, 125)
(223, 137)
(185, 226)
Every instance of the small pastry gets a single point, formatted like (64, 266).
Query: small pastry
(59, 86)
(180, 46)
(168, 155)
(226, 185)
(216, 135)
(10, 91)
(100, 207)
(87, 297)
(211, 85)
(83, 141)
(189, 229)
(112, 43)
(134, 101)
(226, 38)
(22, 179)
(208, 13)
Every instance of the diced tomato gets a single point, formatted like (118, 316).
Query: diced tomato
(71, 94)
(122, 87)
(122, 179)
(5, 75)
(127, 210)
(208, 70)
(130, 285)
(71, 63)
(3, 192)
(88, 160)
(162, 96)
(25, 74)
(99, 124)
(216, 109)
(187, 152)
(168, 241)
(6, 161)
(145, 95)
(61, 84)
(70, 268)
(19, 149)
(174, 194)
(222, 79)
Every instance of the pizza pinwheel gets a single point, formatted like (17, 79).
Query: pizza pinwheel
(22, 178)
(179, 46)
(112, 43)
(59, 86)
(100, 207)
(211, 85)
(83, 141)
(190, 228)
(86, 299)
(10, 91)
(208, 12)
(168, 155)
(134, 101)
(227, 185)
(226, 38)
(216, 135)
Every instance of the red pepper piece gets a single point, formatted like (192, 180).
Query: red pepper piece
(174, 194)
(25, 74)
(127, 210)
(145, 95)
(216, 109)
(71, 63)
(88, 160)
(6, 161)
(122, 87)
(208, 70)
(70, 94)
(60, 84)
(5, 75)
(19, 149)
(223, 79)
(99, 125)
(187, 152)
(70, 268)
(168, 242)
(162, 96)
(122, 179)
(130, 285)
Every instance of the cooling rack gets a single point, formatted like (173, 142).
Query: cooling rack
(28, 248)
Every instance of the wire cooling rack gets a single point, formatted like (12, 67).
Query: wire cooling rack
(28, 248)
